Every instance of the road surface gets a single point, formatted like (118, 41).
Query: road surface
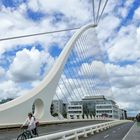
(12, 134)
(114, 133)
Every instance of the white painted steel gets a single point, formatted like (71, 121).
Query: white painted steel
(83, 131)
(15, 112)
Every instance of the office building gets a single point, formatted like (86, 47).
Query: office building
(75, 111)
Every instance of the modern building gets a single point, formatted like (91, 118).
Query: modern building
(57, 107)
(98, 106)
(65, 110)
(74, 111)
(122, 114)
(89, 104)
(101, 106)
(107, 108)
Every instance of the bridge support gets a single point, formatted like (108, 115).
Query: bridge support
(15, 112)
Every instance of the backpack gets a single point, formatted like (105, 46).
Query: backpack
(36, 121)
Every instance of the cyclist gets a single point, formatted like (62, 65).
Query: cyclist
(31, 131)
(30, 123)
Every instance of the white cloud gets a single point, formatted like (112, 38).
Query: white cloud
(136, 14)
(71, 9)
(121, 45)
(122, 50)
(107, 28)
(27, 64)
(96, 68)
(8, 89)
(2, 72)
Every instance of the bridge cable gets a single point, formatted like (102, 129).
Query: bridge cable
(89, 68)
(86, 83)
(81, 88)
(98, 11)
(83, 82)
(102, 11)
(81, 44)
(63, 93)
(67, 89)
(72, 56)
(86, 109)
(95, 81)
(59, 86)
(86, 56)
(93, 10)
(73, 80)
(38, 34)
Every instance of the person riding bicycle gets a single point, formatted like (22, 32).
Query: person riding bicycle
(31, 124)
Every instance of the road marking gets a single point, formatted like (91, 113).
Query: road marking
(106, 136)
(119, 128)
(128, 132)
(114, 131)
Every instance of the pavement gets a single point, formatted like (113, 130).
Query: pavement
(11, 134)
(134, 132)
(113, 133)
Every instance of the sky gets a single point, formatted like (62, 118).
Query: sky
(25, 62)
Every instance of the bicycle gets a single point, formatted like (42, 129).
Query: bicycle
(26, 134)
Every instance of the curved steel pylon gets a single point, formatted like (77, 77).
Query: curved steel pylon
(14, 112)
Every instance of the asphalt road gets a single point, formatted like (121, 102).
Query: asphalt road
(12, 134)
(114, 133)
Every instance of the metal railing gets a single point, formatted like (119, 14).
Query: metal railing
(79, 132)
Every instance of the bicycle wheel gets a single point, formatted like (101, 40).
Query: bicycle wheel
(21, 137)
(28, 134)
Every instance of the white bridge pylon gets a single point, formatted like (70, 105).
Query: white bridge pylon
(15, 111)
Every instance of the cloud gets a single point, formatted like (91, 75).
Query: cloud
(136, 14)
(2, 72)
(26, 66)
(125, 42)
(67, 8)
(95, 69)
(117, 34)
(9, 89)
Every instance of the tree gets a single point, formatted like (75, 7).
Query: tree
(138, 117)
(5, 100)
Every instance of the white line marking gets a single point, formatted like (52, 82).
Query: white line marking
(106, 136)
(114, 131)
(119, 128)
(128, 132)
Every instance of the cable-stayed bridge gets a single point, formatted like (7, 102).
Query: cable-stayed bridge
(78, 71)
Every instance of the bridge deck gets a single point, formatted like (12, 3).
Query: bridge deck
(11, 134)
(113, 133)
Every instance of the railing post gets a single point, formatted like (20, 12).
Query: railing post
(91, 131)
(97, 129)
(85, 134)
(76, 136)
(105, 127)
(64, 137)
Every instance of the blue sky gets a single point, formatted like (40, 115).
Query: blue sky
(118, 36)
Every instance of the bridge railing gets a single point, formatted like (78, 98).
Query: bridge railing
(79, 132)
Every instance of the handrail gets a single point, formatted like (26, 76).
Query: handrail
(83, 131)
